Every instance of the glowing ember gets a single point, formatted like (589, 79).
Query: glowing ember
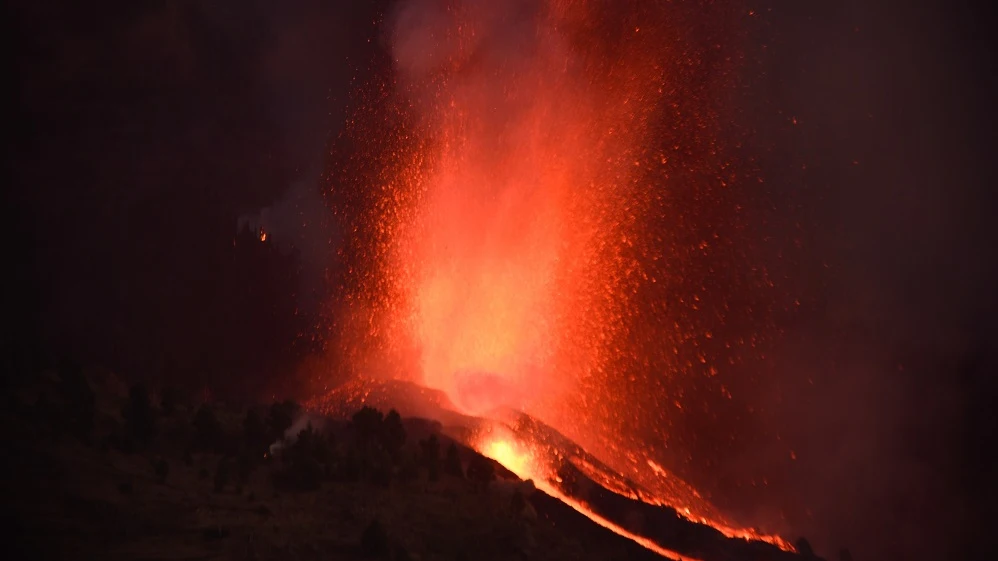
(546, 227)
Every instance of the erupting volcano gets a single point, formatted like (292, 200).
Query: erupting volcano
(546, 215)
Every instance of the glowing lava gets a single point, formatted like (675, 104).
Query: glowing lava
(506, 453)
(504, 449)
(531, 454)
(541, 221)
(613, 527)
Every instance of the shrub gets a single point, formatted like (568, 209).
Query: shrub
(254, 431)
(303, 446)
(804, 547)
(307, 461)
(281, 416)
(452, 462)
(368, 423)
(393, 433)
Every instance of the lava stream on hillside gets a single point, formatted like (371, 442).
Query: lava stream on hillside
(564, 470)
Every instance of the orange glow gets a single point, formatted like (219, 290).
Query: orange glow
(512, 459)
(518, 457)
(535, 234)
(520, 461)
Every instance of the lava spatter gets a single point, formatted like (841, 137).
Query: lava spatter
(540, 215)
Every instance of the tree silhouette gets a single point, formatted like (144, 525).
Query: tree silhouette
(804, 547)
(254, 430)
(368, 423)
(452, 462)
(281, 416)
(393, 433)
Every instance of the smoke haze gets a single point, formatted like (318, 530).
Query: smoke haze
(144, 133)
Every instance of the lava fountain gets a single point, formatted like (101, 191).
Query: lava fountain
(540, 215)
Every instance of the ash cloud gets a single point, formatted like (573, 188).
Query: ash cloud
(422, 39)
(432, 57)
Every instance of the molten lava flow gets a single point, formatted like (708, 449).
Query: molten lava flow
(504, 449)
(581, 507)
(530, 454)
(549, 226)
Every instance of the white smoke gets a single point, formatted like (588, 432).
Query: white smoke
(300, 424)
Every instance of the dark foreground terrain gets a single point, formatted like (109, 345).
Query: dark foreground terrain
(97, 470)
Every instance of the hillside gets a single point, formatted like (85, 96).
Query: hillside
(100, 472)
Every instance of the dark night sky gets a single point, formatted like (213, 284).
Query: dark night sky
(142, 132)
(893, 371)
(146, 132)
